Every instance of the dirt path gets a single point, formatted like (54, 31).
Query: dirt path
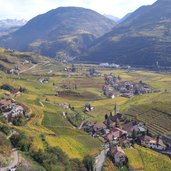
(28, 69)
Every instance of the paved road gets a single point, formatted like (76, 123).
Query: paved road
(100, 159)
(14, 162)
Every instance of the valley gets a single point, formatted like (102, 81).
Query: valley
(82, 90)
(55, 117)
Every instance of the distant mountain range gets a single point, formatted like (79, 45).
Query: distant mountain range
(11, 23)
(144, 38)
(111, 17)
(8, 26)
(62, 33)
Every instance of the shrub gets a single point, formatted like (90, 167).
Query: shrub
(21, 141)
(89, 162)
(7, 87)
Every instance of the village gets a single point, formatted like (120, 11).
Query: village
(11, 111)
(119, 133)
(114, 87)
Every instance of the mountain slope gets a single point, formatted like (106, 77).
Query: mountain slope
(62, 32)
(142, 39)
(10, 59)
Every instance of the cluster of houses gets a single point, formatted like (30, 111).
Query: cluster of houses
(114, 87)
(119, 133)
(10, 109)
(107, 65)
(113, 65)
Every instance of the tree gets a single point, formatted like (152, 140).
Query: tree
(73, 68)
(21, 141)
(119, 78)
(110, 114)
(23, 90)
(134, 136)
(89, 162)
(77, 165)
(7, 87)
(92, 71)
(147, 132)
(157, 140)
(106, 116)
(118, 124)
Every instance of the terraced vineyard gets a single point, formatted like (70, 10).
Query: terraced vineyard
(147, 160)
(157, 121)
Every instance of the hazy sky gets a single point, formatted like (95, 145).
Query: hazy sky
(27, 9)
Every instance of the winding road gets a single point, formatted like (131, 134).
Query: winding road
(100, 159)
(14, 162)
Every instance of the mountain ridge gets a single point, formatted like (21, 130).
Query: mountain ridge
(142, 39)
(59, 31)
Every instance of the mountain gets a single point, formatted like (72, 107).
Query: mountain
(144, 38)
(111, 17)
(11, 23)
(8, 26)
(60, 33)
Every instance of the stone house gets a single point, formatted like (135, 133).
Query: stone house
(9, 108)
(115, 134)
(149, 142)
(5, 105)
(118, 155)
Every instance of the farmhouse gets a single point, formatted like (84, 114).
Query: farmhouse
(98, 128)
(115, 134)
(43, 80)
(94, 128)
(5, 105)
(133, 126)
(152, 143)
(9, 108)
(118, 155)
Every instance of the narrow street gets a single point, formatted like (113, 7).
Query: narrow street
(100, 159)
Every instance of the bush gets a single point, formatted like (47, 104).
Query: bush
(7, 87)
(89, 162)
(50, 158)
(77, 165)
(5, 129)
(21, 141)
